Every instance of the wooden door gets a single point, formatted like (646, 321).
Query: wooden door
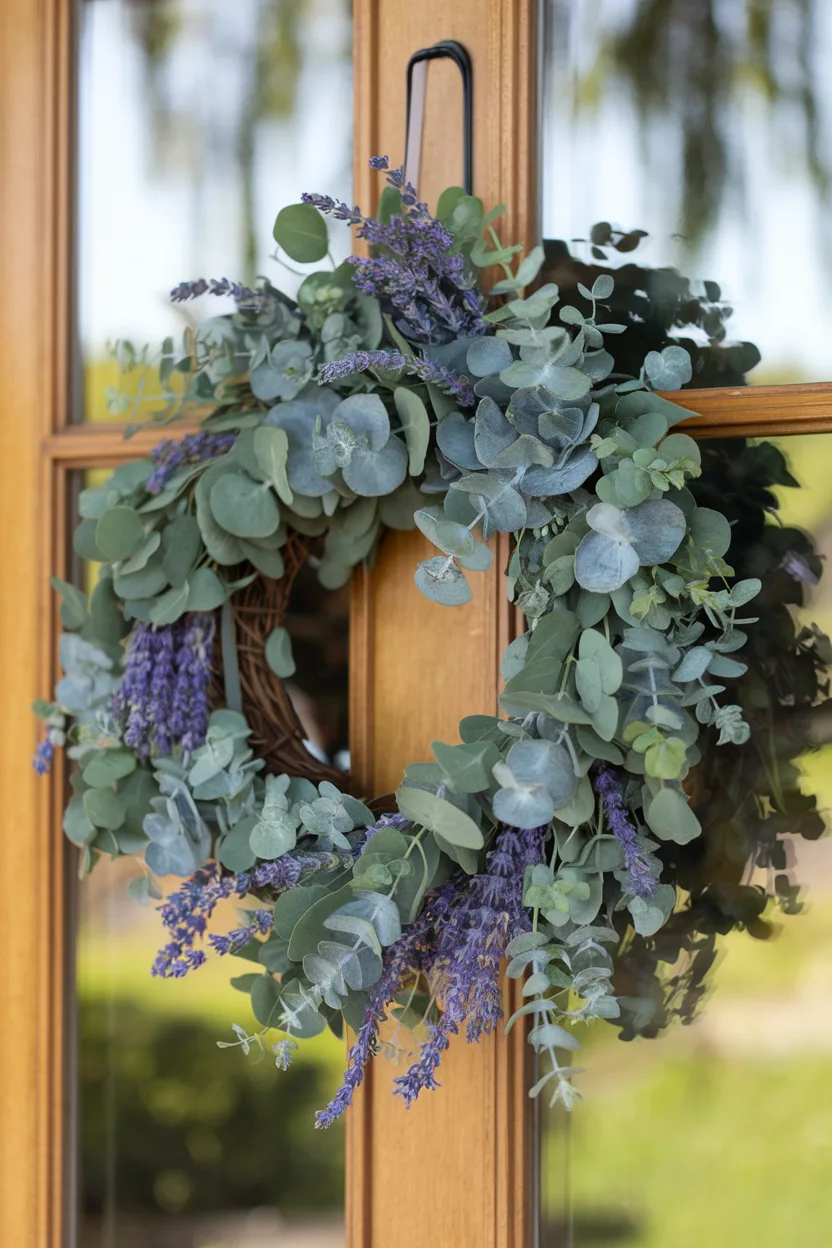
(455, 1169)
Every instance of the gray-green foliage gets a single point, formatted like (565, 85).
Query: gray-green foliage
(632, 627)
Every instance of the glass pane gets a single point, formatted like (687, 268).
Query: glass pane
(708, 125)
(198, 121)
(718, 1132)
(181, 1144)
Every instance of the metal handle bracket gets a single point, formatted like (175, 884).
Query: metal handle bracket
(417, 78)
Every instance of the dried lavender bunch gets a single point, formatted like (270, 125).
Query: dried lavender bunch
(194, 448)
(415, 366)
(419, 274)
(186, 912)
(162, 700)
(457, 942)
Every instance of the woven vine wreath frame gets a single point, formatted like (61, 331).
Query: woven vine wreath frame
(565, 833)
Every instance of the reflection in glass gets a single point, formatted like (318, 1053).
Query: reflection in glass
(198, 121)
(182, 1144)
(717, 1131)
(708, 125)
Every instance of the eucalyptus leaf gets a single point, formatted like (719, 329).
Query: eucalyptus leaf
(440, 816)
(279, 653)
(301, 231)
(243, 507)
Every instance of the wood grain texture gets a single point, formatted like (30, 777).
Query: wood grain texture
(34, 60)
(449, 1171)
(754, 411)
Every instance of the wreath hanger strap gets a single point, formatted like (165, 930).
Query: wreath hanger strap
(417, 81)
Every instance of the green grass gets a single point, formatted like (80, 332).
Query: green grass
(711, 1137)
(699, 1151)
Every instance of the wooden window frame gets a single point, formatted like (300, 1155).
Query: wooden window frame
(479, 1120)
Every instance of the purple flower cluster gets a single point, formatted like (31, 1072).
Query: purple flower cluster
(186, 912)
(426, 370)
(418, 273)
(44, 755)
(611, 791)
(162, 699)
(262, 922)
(465, 960)
(249, 300)
(194, 448)
(400, 961)
(458, 941)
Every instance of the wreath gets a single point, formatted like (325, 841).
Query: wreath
(566, 834)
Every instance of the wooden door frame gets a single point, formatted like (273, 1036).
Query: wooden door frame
(38, 449)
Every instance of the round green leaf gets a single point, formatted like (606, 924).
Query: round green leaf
(145, 583)
(171, 606)
(119, 533)
(269, 562)
(181, 543)
(243, 507)
(670, 817)
(104, 808)
(279, 653)
(84, 543)
(108, 622)
(108, 766)
(235, 850)
(76, 823)
(439, 816)
(416, 426)
(206, 591)
(301, 231)
(265, 1000)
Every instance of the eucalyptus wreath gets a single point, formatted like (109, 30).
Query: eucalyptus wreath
(564, 834)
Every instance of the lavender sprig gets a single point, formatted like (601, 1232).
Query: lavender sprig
(44, 755)
(248, 299)
(194, 448)
(458, 941)
(399, 960)
(418, 273)
(642, 876)
(465, 960)
(415, 366)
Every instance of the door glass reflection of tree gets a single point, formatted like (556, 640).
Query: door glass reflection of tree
(708, 125)
(198, 120)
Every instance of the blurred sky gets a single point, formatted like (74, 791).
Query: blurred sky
(162, 193)
(160, 185)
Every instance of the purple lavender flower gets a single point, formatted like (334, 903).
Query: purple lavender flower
(161, 688)
(249, 300)
(611, 791)
(131, 700)
(186, 912)
(44, 755)
(162, 699)
(465, 960)
(193, 677)
(798, 569)
(418, 273)
(261, 922)
(194, 448)
(415, 366)
(400, 959)
(458, 940)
